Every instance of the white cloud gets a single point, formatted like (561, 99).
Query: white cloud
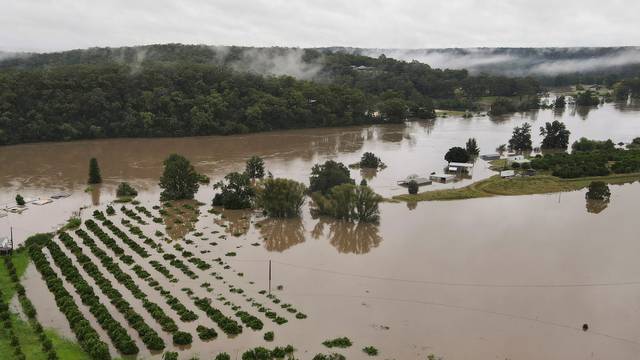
(64, 24)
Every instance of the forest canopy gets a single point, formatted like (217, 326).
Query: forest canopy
(185, 90)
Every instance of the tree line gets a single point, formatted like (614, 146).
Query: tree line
(181, 91)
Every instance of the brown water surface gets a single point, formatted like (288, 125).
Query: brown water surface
(495, 278)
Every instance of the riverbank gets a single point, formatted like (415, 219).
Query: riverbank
(530, 185)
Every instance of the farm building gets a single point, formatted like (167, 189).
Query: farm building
(442, 178)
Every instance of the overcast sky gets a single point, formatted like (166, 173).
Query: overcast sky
(48, 25)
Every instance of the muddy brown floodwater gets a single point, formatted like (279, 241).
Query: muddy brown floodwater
(494, 278)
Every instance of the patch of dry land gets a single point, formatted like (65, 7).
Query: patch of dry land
(526, 185)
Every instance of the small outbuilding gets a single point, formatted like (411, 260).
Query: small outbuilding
(442, 178)
(507, 174)
(6, 245)
(462, 167)
(415, 177)
(489, 157)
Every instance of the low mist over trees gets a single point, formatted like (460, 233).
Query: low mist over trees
(179, 90)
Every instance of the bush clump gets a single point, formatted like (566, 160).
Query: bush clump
(341, 342)
(126, 190)
(182, 338)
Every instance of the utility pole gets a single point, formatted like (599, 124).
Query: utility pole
(11, 239)
(269, 277)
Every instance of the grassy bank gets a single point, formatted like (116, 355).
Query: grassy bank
(497, 186)
(29, 342)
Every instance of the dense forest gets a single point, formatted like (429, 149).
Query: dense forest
(184, 90)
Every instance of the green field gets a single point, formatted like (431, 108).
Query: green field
(530, 185)
(29, 342)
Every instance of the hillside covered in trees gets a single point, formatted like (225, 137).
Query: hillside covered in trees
(184, 90)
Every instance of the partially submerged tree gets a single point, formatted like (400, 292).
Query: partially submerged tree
(348, 202)
(521, 138)
(560, 102)
(327, 175)
(501, 148)
(472, 147)
(556, 135)
(94, 172)
(281, 197)
(235, 191)
(457, 154)
(126, 190)
(370, 161)
(179, 179)
(413, 187)
(20, 200)
(255, 167)
(598, 190)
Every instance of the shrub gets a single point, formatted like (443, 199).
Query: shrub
(281, 197)
(268, 336)
(236, 191)
(223, 356)
(182, 338)
(370, 161)
(341, 342)
(205, 333)
(20, 200)
(170, 355)
(349, 202)
(326, 176)
(126, 190)
(370, 350)
(258, 353)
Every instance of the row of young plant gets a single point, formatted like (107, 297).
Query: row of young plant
(30, 311)
(226, 324)
(86, 335)
(271, 314)
(123, 278)
(8, 332)
(175, 304)
(249, 320)
(117, 333)
(137, 248)
(108, 241)
(260, 353)
(132, 215)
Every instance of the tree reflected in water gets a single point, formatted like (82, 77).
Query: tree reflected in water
(95, 194)
(235, 222)
(281, 234)
(596, 206)
(348, 237)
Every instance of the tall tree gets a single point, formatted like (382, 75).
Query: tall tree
(472, 147)
(521, 138)
(255, 167)
(327, 175)
(94, 172)
(457, 154)
(556, 135)
(179, 179)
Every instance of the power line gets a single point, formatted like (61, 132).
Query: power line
(457, 284)
(465, 308)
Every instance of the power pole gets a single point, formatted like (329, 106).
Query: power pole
(11, 239)
(269, 277)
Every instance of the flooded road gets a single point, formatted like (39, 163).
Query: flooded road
(494, 278)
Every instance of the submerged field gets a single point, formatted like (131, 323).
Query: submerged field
(481, 278)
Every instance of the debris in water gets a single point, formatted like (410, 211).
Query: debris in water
(585, 327)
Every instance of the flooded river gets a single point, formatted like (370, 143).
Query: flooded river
(494, 278)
